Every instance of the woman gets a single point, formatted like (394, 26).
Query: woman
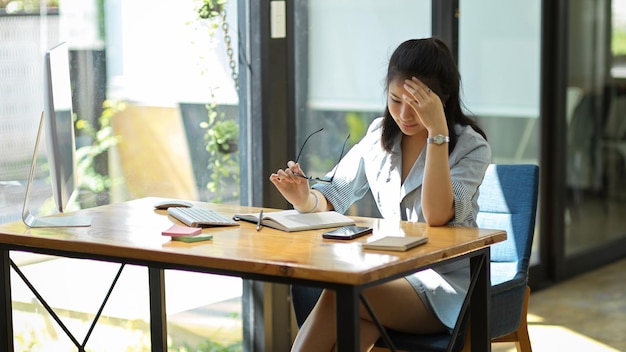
(423, 161)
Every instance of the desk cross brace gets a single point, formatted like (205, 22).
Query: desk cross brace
(81, 347)
(476, 264)
(380, 326)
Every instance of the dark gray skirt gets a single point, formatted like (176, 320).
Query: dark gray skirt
(443, 289)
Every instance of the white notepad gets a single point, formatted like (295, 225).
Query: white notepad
(394, 243)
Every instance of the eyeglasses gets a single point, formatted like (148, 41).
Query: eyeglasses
(317, 179)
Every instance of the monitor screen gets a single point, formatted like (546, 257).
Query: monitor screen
(60, 125)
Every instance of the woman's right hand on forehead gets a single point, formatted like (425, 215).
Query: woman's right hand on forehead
(427, 104)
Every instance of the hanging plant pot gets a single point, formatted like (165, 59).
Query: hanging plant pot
(211, 8)
(224, 136)
(230, 146)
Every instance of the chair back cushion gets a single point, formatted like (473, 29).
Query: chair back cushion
(508, 201)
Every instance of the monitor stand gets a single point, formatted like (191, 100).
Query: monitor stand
(47, 221)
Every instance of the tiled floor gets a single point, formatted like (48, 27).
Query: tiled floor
(586, 313)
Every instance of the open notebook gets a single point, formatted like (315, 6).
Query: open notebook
(292, 220)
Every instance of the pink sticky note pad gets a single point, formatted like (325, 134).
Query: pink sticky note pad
(178, 230)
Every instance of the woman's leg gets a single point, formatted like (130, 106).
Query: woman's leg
(395, 303)
(318, 330)
(398, 307)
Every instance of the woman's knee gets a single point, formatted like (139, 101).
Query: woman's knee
(326, 301)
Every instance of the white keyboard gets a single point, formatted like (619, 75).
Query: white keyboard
(200, 217)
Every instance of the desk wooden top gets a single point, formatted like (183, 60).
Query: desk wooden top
(133, 229)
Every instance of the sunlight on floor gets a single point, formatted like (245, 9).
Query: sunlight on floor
(548, 338)
(559, 338)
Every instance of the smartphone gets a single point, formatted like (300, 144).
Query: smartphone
(347, 232)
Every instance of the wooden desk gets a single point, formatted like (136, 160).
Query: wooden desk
(130, 232)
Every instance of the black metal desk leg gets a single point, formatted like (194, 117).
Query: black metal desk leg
(479, 304)
(158, 319)
(6, 311)
(348, 319)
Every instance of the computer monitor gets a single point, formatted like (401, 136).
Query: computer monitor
(58, 125)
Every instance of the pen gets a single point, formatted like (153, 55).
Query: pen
(258, 223)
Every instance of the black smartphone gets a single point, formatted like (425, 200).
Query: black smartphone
(347, 232)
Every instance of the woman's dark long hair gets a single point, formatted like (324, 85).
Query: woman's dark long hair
(431, 61)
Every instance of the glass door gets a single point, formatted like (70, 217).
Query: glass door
(596, 126)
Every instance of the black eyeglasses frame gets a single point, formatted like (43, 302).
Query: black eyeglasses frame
(317, 179)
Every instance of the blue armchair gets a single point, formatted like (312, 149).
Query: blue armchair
(508, 201)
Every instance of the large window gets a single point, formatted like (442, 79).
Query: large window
(155, 100)
(499, 60)
(172, 67)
